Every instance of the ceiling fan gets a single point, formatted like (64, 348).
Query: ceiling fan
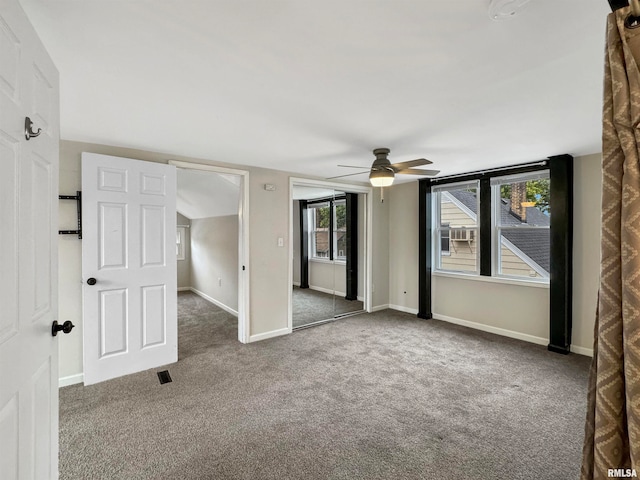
(383, 172)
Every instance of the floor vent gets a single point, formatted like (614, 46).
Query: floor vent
(164, 377)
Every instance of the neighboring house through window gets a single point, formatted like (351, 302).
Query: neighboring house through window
(520, 222)
(456, 227)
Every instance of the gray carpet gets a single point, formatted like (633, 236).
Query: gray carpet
(310, 306)
(375, 396)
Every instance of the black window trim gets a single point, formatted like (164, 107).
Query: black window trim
(560, 284)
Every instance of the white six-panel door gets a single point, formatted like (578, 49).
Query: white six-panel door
(129, 248)
(28, 252)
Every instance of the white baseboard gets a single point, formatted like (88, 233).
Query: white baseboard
(70, 380)
(326, 290)
(215, 302)
(296, 284)
(184, 289)
(271, 334)
(488, 328)
(377, 308)
(332, 292)
(400, 308)
(582, 351)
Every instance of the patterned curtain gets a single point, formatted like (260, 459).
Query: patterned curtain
(612, 432)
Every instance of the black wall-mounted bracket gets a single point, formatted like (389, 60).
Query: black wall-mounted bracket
(78, 198)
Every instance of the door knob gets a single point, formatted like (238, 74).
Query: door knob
(66, 327)
(92, 281)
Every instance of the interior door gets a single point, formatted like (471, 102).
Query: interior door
(28, 252)
(128, 266)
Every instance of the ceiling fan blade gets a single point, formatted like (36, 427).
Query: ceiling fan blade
(418, 171)
(348, 175)
(410, 163)
(352, 166)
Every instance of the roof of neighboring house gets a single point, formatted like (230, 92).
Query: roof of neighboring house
(535, 244)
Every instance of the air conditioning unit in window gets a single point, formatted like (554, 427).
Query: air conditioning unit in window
(461, 234)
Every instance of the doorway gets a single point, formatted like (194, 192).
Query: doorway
(215, 236)
(330, 261)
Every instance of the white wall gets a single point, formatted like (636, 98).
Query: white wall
(520, 310)
(268, 268)
(184, 266)
(214, 259)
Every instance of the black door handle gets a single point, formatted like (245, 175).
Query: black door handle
(66, 327)
(92, 281)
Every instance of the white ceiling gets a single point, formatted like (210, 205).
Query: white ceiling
(206, 194)
(304, 85)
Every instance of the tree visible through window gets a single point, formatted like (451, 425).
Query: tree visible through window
(328, 233)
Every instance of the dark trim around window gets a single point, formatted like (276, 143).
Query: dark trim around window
(560, 285)
(304, 245)
(424, 249)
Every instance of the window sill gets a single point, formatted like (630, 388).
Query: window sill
(480, 278)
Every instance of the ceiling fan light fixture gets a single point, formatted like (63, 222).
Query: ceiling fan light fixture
(381, 178)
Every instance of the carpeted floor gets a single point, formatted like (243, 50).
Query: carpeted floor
(310, 306)
(374, 396)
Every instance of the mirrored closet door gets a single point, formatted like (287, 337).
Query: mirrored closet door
(325, 263)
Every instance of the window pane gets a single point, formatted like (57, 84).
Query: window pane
(341, 245)
(321, 247)
(341, 217)
(459, 207)
(457, 248)
(524, 252)
(322, 217)
(525, 202)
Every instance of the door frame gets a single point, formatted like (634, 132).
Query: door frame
(243, 240)
(368, 231)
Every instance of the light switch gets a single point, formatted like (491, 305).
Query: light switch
(280, 242)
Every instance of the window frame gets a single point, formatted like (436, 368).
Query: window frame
(311, 209)
(497, 227)
(181, 249)
(439, 229)
(312, 206)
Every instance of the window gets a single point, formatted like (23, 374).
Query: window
(340, 230)
(518, 233)
(445, 240)
(328, 229)
(456, 229)
(181, 238)
(521, 220)
(320, 220)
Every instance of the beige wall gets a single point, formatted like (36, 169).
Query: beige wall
(403, 246)
(523, 310)
(214, 259)
(184, 266)
(380, 250)
(268, 268)
(587, 206)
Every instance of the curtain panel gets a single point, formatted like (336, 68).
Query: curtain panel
(612, 431)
